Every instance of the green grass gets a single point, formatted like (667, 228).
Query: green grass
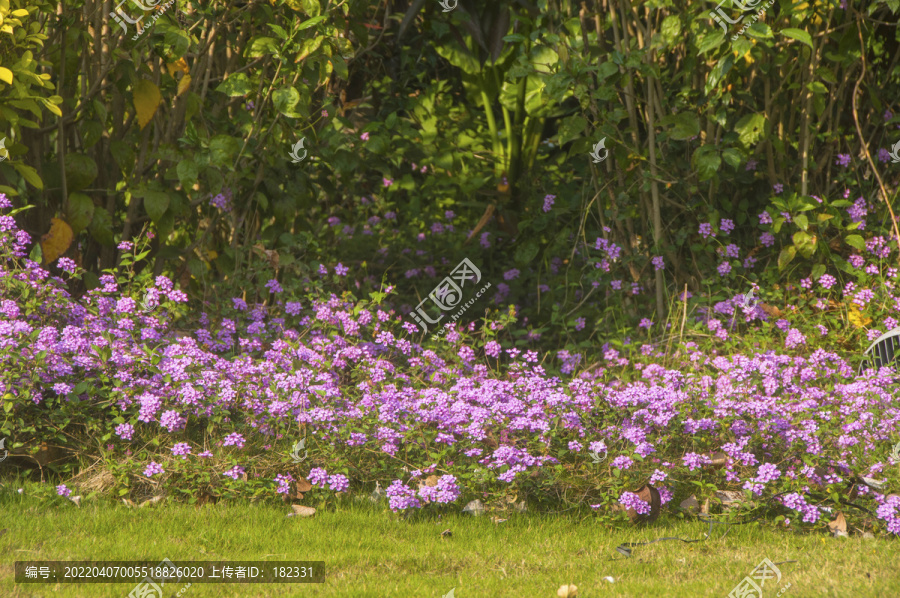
(370, 552)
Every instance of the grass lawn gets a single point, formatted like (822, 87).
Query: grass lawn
(370, 552)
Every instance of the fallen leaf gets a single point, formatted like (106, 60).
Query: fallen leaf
(76, 500)
(56, 241)
(730, 498)
(610, 579)
(521, 507)
(303, 485)
(151, 501)
(770, 310)
(704, 510)
(569, 591)
(446, 533)
(838, 525)
(128, 503)
(718, 459)
(497, 521)
(303, 510)
(431, 481)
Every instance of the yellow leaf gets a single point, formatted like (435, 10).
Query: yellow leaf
(5, 75)
(178, 65)
(184, 84)
(856, 317)
(146, 101)
(56, 241)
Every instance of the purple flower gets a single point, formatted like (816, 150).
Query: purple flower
(341, 269)
(658, 262)
(827, 281)
(235, 472)
(511, 274)
(67, 264)
(125, 431)
(172, 420)
(726, 225)
(843, 160)
(548, 202)
(387, 182)
(274, 286)
(338, 483)
(401, 497)
(706, 230)
(622, 462)
(318, 477)
(630, 500)
(125, 246)
(181, 449)
(724, 268)
(234, 439)
(153, 469)
(62, 490)
(284, 483)
(694, 461)
(364, 136)
(778, 187)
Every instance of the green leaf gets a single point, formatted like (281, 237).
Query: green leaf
(235, 85)
(786, 256)
(101, 227)
(285, 99)
(684, 125)
(751, 128)
(340, 66)
(187, 172)
(30, 175)
(571, 128)
(706, 161)
(798, 34)
(855, 241)
(710, 41)
(606, 70)
(732, 157)
(526, 252)
(81, 171)
(222, 149)
(80, 212)
(156, 204)
(671, 29)
(817, 271)
(311, 22)
(804, 244)
(802, 221)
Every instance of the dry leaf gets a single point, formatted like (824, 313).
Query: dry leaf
(610, 579)
(128, 503)
(151, 501)
(521, 507)
(431, 481)
(704, 510)
(56, 241)
(854, 314)
(475, 507)
(76, 500)
(484, 220)
(838, 527)
(497, 521)
(730, 497)
(303, 485)
(446, 533)
(690, 504)
(718, 459)
(178, 65)
(569, 591)
(770, 310)
(146, 100)
(650, 495)
(303, 510)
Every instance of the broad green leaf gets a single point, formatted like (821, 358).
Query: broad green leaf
(732, 157)
(81, 171)
(526, 252)
(710, 41)
(311, 22)
(101, 227)
(751, 128)
(80, 212)
(671, 29)
(30, 175)
(706, 161)
(683, 125)
(855, 241)
(805, 244)
(817, 271)
(786, 256)
(222, 149)
(235, 85)
(798, 34)
(156, 203)
(285, 99)
(187, 172)
(802, 221)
